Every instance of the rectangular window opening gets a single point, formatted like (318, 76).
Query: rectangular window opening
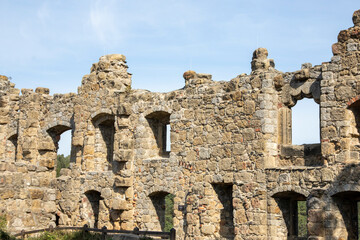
(167, 142)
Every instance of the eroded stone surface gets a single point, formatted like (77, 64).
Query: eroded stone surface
(232, 168)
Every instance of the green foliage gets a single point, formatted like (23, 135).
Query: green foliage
(3, 222)
(58, 235)
(169, 212)
(302, 218)
(5, 236)
(62, 162)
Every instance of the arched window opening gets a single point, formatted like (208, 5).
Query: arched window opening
(159, 123)
(294, 212)
(63, 152)
(224, 204)
(305, 122)
(163, 203)
(59, 154)
(104, 139)
(355, 130)
(348, 205)
(11, 147)
(90, 208)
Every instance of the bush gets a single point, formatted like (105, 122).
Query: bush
(3, 234)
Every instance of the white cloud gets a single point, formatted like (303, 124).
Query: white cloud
(43, 13)
(103, 21)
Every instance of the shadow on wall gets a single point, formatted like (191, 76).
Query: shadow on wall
(224, 194)
(293, 209)
(158, 122)
(164, 206)
(92, 207)
(342, 218)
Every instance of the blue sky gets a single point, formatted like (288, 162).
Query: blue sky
(53, 43)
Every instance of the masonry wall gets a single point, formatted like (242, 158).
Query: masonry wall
(232, 167)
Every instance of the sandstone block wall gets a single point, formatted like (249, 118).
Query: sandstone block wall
(232, 167)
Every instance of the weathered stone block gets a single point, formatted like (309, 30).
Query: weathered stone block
(123, 182)
(36, 193)
(119, 204)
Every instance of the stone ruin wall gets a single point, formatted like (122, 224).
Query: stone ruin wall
(232, 167)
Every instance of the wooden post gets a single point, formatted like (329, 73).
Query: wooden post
(23, 234)
(85, 230)
(136, 230)
(172, 234)
(104, 232)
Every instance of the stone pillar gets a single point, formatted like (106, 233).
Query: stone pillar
(316, 215)
(263, 68)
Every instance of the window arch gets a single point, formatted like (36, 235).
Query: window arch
(91, 207)
(163, 203)
(348, 203)
(49, 155)
(305, 122)
(11, 147)
(104, 124)
(293, 209)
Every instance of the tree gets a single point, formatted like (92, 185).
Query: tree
(62, 162)
(169, 212)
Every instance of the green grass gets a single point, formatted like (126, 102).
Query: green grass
(59, 235)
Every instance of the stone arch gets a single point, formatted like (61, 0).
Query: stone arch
(101, 115)
(289, 188)
(12, 133)
(49, 146)
(345, 212)
(300, 86)
(161, 207)
(88, 188)
(159, 108)
(56, 129)
(343, 188)
(291, 220)
(58, 125)
(11, 146)
(353, 101)
(158, 188)
(90, 207)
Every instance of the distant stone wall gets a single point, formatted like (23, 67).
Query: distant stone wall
(232, 167)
